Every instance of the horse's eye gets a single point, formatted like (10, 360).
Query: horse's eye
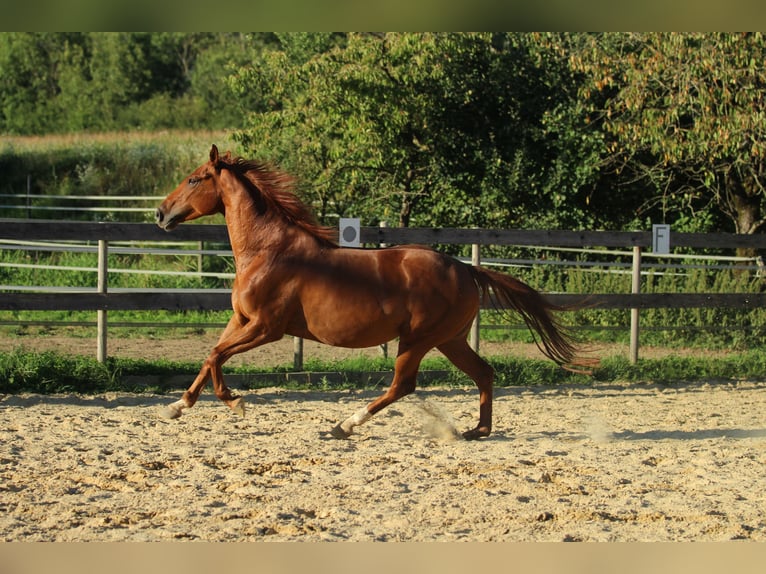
(194, 181)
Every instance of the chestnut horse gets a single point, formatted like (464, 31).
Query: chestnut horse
(292, 278)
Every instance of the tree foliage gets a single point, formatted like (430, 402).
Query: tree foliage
(98, 81)
(430, 129)
(560, 130)
(684, 116)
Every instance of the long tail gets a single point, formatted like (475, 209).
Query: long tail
(506, 292)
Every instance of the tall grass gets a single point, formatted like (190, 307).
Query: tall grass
(113, 164)
(710, 327)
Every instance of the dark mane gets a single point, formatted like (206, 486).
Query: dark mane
(275, 188)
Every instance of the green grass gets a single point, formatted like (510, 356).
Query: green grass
(53, 373)
(23, 371)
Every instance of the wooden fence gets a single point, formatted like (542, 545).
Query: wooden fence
(101, 300)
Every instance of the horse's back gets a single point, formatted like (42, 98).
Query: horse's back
(410, 267)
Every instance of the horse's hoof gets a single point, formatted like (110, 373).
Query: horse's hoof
(238, 406)
(170, 412)
(477, 433)
(338, 432)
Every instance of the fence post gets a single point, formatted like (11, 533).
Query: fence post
(298, 353)
(635, 289)
(476, 261)
(103, 251)
(29, 196)
(384, 346)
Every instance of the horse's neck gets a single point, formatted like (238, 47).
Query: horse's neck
(253, 235)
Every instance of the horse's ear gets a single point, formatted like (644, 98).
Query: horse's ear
(214, 155)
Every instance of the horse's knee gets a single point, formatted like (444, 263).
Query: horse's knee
(401, 389)
(212, 361)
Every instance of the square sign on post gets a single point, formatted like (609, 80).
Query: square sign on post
(348, 235)
(661, 239)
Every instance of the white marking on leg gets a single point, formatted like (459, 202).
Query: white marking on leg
(358, 418)
(175, 410)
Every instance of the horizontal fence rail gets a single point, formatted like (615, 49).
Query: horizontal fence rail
(42, 229)
(102, 300)
(31, 203)
(220, 300)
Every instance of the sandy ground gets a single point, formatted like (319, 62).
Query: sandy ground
(608, 462)
(597, 463)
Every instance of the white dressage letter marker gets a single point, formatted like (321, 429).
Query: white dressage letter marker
(349, 235)
(661, 239)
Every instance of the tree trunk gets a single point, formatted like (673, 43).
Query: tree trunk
(747, 207)
(404, 212)
(406, 207)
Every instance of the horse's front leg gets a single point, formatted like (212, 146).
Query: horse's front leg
(239, 336)
(175, 410)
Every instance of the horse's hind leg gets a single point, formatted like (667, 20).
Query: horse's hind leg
(405, 376)
(460, 353)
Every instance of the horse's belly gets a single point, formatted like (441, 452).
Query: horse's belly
(355, 342)
(354, 334)
(350, 323)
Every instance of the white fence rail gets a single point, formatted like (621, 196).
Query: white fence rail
(31, 203)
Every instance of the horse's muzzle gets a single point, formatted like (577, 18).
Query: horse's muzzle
(166, 223)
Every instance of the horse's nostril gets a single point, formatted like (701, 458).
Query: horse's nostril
(158, 216)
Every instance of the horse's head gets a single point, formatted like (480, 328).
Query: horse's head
(198, 194)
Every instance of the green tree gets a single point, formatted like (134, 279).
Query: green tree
(430, 129)
(209, 74)
(511, 146)
(55, 82)
(683, 115)
(29, 80)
